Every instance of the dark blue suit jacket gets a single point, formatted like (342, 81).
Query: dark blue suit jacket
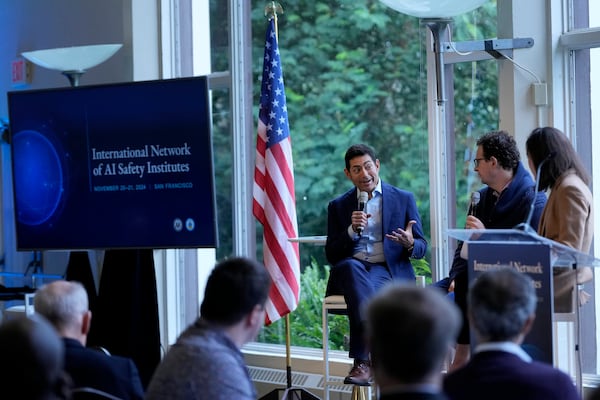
(398, 207)
(112, 374)
(498, 375)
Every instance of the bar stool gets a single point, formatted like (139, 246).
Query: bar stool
(336, 305)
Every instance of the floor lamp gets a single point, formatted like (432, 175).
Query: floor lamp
(72, 61)
(117, 289)
(437, 16)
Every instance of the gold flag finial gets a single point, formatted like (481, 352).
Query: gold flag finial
(272, 9)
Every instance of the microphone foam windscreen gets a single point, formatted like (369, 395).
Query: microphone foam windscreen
(363, 197)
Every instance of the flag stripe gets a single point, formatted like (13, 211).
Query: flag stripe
(279, 204)
(274, 200)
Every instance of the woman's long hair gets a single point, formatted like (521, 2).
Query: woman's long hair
(541, 143)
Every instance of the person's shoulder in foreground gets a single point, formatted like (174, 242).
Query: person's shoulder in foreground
(498, 375)
(206, 361)
(502, 305)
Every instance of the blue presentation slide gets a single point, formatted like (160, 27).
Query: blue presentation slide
(113, 166)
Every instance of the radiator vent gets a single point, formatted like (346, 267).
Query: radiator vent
(303, 380)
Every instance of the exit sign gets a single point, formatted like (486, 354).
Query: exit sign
(19, 72)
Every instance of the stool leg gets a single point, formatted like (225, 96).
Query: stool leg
(361, 393)
(325, 317)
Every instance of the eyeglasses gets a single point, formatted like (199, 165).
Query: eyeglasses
(476, 161)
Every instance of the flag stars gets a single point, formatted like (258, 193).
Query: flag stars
(273, 109)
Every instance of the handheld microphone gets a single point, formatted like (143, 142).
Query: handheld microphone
(527, 225)
(475, 197)
(363, 197)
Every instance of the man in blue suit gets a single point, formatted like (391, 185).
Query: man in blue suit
(65, 305)
(370, 246)
(502, 305)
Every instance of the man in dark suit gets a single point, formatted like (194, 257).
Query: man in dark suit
(502, 306)
(410, 332)
(504, 202)
(370, 247)
(65, 305)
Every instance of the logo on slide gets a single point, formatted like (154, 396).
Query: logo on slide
(190, 224)
(177, 224)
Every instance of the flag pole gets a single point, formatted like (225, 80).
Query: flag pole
(271, 11)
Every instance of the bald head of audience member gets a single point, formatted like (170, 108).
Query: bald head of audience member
(502, 306)
(32, 360)
(65, 305)
(414, 325)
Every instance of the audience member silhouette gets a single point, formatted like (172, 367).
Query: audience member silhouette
(206, 361)
(410, 331)
(502, 305)
(32, 360)
(65, 305)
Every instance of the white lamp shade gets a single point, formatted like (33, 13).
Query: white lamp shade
(433, 8)
(77, 58)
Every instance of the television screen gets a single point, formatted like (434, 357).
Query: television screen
(113, 166)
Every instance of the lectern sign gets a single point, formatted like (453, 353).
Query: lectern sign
(528, 258)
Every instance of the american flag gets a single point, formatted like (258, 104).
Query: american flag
(274, 202)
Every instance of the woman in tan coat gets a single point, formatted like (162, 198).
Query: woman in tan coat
(568, 215)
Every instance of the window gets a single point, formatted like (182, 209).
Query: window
(356, 72)
(582, 46)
